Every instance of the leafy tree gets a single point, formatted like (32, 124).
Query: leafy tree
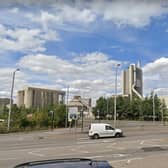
(101, 107)
(60, 114)
(135, 109)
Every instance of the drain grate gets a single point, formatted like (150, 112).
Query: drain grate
(153, 149)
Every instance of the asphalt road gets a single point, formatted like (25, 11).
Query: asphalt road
(141, 147)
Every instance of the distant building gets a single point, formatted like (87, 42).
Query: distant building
(133, 81)
(4, 102)
(165, 99)
(82, 104)
(39, 98)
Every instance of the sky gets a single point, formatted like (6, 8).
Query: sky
(77, 43)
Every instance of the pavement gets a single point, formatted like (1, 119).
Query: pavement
(141, 147)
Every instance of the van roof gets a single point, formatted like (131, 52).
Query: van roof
(99, 124)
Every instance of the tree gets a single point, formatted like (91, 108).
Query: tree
(101, 107)
(60, 114)
(135, 109)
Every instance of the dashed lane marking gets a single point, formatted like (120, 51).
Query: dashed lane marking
(86, 142)
(111, 145)
(8, 158)
(124, 160)
(94, 157)
(83, 139)
(129, 160)
(36, 154)
(142, 142)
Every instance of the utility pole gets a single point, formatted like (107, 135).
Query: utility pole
(115, 97)
(66, 117)
(107, 106)
(82, 120)
(52, 116)
(153, 95)
(11, 97)
(162, 114)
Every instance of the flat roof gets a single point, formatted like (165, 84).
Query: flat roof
(45, 89)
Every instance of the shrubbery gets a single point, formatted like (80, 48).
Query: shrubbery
(23, 119)
(137, 109)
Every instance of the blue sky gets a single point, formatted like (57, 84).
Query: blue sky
(78, 43)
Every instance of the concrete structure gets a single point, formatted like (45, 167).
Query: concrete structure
(165, 99)
(83, 104)
(4, 102)
(39, 98)
(133, 81)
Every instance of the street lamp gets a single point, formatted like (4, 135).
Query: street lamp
(153, 96)
(11, 97)
(52, 116)
(115, 96)
(66, 117)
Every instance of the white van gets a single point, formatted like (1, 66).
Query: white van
(98, 130)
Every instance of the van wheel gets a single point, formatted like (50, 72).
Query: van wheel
(117, 135)
(95, 136)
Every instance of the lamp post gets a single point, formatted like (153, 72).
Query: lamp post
(11, 97)
(153, 96)
(115, 96)
(66, 117)
(107, 106)
(52, 119)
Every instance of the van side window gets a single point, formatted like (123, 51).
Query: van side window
(107, 127)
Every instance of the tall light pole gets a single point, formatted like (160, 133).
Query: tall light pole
(107, 105)
(11, 97)
(115, 96)
(66, 117)
(153, 96)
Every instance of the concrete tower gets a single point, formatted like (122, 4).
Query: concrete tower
(133, 81)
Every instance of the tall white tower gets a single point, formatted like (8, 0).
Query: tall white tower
(133, 81)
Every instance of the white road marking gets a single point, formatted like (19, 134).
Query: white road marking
(93, 157)
(73, 149)
(85, 151)
(105, 141)
(119, 155)
(36, 154)
(129, 161)
(111, 145)
(142, 142)
(8, 158)
(124, 160)
(83, 139)
(119, 148)
(86, 142)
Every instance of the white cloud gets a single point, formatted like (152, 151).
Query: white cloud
(87, 67)
(86, 76)
(155, 74)
(6, 81)
(132, 12)
(25, 40)
(159, 65)
(65, 14)
(86, 79)
(92, 58)
(122, 13)
(14, 10)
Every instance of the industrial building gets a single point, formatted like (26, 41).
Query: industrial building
(4, 102)
(82, 104)
(39, 98)
(133, 81)
(164, 98)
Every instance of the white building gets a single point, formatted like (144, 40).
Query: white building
(133, 81)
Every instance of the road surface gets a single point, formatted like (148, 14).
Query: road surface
(141, 147)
